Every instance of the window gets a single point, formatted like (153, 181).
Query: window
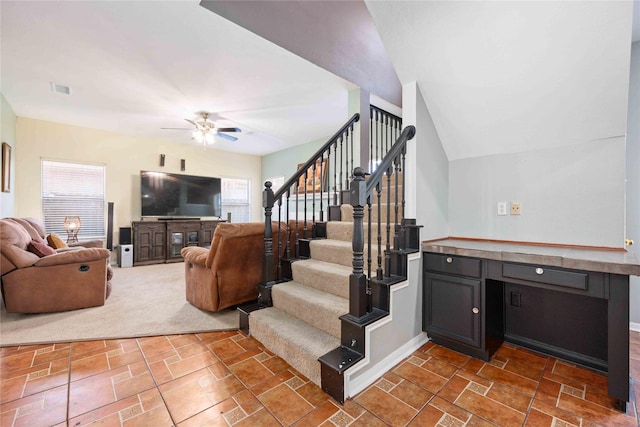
(73, 189)
(276, 182)
(236, 199)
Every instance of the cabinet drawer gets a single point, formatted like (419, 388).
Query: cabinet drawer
(551, 276)
(452, 264)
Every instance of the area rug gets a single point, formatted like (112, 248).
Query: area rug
(144, 301)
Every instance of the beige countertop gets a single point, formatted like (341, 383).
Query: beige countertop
(603, 260)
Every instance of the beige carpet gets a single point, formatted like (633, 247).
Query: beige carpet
(147, 300)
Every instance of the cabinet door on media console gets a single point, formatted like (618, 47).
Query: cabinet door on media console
(149, 242)
(207, 228)
(181, 234)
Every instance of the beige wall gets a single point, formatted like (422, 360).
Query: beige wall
(124, 156)
(8, 135)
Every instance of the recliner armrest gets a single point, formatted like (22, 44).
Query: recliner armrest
(195, 255)
(87, 244)
(73, 257)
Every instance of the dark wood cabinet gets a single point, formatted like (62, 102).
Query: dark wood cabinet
(150, 242)
(472, 305)
(452, 308)
(161, 241)
(455, 305)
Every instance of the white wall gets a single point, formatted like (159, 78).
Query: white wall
(427, 168)
(570, 195)
(124, 156)
(633, 176)
(8, 135)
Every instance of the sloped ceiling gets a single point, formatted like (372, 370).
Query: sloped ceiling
(137, 66)
(503, 77)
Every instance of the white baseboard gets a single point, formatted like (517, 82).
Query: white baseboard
(356, 386)
(634, 326)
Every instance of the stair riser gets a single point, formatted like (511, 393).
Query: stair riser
(347, 214)
(334, 283)
(344, 230)
(321, 316)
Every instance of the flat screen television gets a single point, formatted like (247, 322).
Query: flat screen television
(170, 195)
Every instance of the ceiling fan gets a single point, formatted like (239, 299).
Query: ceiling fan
(204, 130)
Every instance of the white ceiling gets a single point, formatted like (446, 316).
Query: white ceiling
(498, 77)
(501, 77)
(135, 67)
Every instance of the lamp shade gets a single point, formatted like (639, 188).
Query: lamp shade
(72, 223)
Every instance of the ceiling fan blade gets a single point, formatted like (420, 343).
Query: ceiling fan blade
(192, 122)
(228, 129)
(178, 128)
(227, 137)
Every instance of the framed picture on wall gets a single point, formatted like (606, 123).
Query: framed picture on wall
(6, 168)
(320, 181)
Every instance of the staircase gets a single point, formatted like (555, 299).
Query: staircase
(320, 294)
(304, 322)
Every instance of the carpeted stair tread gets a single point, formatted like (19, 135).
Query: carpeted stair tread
(324, 276)
(297, 342)
(343, 230)
(336, 251)
(317, 308)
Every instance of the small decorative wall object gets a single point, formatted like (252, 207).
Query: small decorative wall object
(183, 165)
(6, 168)
(320, 180)
(161, 159)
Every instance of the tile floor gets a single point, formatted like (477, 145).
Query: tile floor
(227, 378)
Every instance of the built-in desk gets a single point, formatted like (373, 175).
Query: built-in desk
(568, 302)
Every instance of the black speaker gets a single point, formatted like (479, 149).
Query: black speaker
(183, 164)
(110, 225)
(125, 235)
(161, 159)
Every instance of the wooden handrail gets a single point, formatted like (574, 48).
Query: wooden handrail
(303, 169)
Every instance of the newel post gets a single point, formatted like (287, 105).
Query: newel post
(357, 279)
(268, 273)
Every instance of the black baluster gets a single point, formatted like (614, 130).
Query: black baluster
(371, 139)
(322, 172)
(297, 219)
(395, 199)
(304, 212)
(288, 245)
(341, 158)
(313, 193)
(335, 171)
(379, 202)
(377, 153)
(387, 254)
(346, 159)
(279, 242)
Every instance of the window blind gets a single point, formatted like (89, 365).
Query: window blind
(73, 189)
(236, 199)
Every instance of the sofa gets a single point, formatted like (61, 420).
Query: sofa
(36, 278)
(53, 240)
(228, 273)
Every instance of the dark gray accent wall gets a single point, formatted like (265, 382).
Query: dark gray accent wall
(338, 36)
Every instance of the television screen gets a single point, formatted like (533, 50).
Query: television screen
(175, 195)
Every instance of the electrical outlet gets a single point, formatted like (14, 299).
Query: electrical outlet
(515, 208)
(502, 208)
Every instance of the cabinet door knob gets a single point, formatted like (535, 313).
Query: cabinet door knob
(539, 270)
(449, 260)
(475, 310)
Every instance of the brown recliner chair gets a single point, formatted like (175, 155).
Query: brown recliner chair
(229, 272)
(58, 281)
